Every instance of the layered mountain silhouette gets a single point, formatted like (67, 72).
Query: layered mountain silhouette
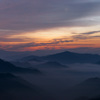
(88, 88)
(8, 67)
(30, 58)
(71, 57)
(15, 88)
(65, 57)
(52, 64)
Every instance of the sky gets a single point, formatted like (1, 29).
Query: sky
(29, 25)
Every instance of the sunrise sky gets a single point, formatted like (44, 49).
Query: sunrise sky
(28, 25)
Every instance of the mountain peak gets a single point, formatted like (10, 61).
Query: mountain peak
(66, 52)
(72, 57)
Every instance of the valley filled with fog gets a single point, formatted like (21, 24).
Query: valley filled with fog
(61, 76)
(56, 81)
(49, 49)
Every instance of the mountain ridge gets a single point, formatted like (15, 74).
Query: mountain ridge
(52, 64)
(71, 57)
(8, 67)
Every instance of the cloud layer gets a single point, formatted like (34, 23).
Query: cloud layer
(25, 16)
(29, 15)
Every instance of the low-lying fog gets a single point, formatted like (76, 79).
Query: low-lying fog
(56, 81)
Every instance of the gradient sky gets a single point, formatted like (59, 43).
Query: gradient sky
(27, 25)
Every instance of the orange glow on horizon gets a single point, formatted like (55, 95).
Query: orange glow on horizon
(55, 38)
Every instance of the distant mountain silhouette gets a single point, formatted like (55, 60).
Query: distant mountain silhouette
(52, 65)
(15, 88)
(13, 55)
(70, 57)
(8, 67)
(30, 58)
(88, 88)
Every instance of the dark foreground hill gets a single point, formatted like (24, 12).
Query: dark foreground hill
(88, 89)
(15, 88)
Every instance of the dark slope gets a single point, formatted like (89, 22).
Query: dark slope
(22, 64)
(52, 65)
(15, 88)
(96, 98)
(70, 57)
(98, 63)
(8, 67)
(88, 88)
